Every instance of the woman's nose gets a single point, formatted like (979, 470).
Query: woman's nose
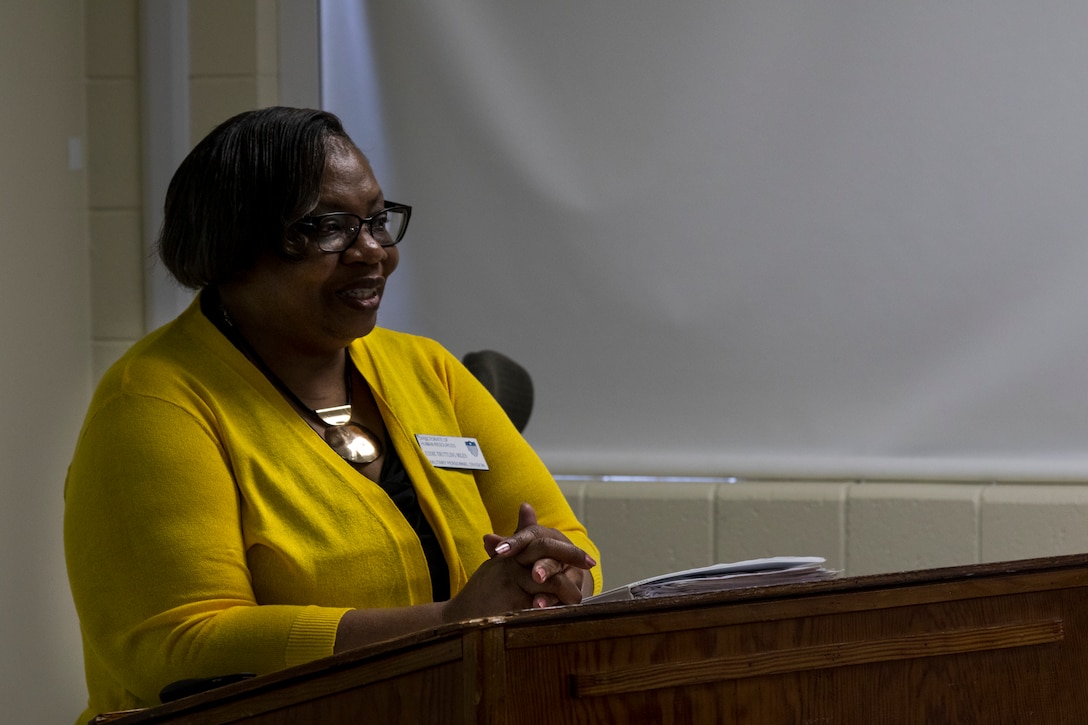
(364, 249)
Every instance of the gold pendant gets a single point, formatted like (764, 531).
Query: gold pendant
(337, 415)
(353, 443)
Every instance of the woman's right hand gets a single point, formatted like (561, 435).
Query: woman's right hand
(534, 570)
(536, 566)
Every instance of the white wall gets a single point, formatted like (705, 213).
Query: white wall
(46, 359)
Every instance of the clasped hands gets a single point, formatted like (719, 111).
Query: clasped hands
(535, 567)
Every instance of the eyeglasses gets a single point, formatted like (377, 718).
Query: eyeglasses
(336, 232)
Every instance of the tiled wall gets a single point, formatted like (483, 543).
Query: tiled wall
(114, 180)
(232, 60)
(232, 49)
(647, 528)
(643, 528)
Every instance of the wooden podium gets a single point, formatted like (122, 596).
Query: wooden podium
(993, 643)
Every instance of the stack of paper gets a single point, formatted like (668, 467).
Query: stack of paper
(719, 577)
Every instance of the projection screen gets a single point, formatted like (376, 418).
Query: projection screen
(822, 237)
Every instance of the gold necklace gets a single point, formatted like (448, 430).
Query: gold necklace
(352, 441)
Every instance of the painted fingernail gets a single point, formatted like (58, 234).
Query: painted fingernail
(502, 548)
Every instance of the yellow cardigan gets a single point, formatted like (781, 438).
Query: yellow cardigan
(208, 529)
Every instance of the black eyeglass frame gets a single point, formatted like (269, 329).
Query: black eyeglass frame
(310, 224)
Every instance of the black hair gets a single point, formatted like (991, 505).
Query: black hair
(241, 189)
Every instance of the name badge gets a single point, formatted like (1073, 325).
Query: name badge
(452, 452)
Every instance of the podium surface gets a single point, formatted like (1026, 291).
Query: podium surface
(990, 643)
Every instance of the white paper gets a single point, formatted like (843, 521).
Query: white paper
(720, 577)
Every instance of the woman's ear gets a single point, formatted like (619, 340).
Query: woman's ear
(294, 243)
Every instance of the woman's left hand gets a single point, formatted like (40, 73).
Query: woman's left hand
(529, 543)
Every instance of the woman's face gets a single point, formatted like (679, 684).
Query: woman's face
(324, 301)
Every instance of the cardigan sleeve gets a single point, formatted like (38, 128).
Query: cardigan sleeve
(157, 561)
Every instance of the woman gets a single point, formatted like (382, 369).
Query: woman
(271, 478)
